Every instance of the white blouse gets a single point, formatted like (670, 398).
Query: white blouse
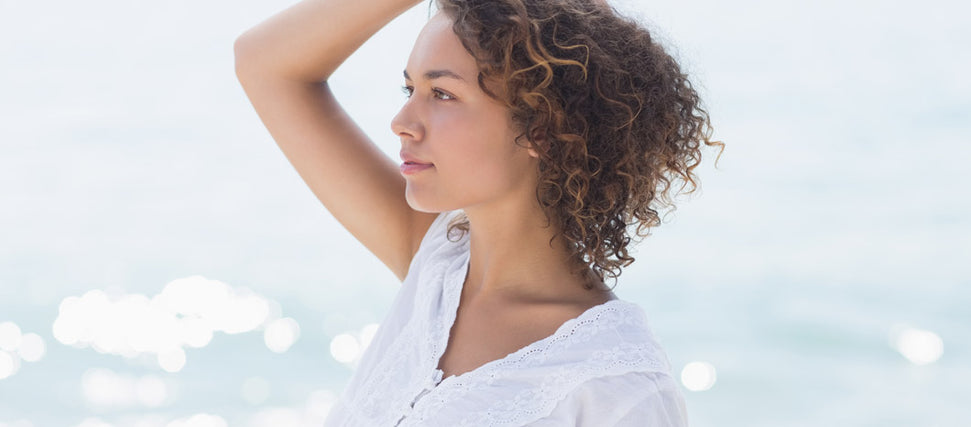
(602, 368)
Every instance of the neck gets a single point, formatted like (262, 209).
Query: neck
(512, 257)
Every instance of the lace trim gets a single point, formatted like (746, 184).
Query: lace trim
(536, 401)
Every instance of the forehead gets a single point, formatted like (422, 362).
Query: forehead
(438, 48)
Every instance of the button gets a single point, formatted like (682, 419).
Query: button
(430, 383)
(436, 377)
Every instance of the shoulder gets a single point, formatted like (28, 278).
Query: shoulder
(631, 399)
(437, 231)
(436, 237)
(629, 382)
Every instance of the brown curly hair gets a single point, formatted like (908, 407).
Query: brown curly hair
(613, 118)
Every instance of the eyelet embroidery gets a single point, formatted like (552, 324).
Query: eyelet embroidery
(554, 384)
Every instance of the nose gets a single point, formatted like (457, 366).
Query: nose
(406, 123)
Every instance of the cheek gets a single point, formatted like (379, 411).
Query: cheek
(465, 138)
(476, 147)
(478, 155)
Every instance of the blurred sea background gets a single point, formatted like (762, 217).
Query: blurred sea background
(161, 264)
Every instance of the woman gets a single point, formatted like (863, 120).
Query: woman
(534, 133)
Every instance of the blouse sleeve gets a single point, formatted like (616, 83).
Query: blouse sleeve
(637, 399)
(660, 404)
(434, 237)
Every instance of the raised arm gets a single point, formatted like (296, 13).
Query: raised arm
(283, 65)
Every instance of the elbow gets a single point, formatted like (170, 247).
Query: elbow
(256, 59)
(249, 58)
(241, 56)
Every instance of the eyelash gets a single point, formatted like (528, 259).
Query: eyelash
(440, 94)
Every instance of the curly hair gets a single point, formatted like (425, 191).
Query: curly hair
(615, 121)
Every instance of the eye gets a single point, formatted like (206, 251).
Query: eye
(408, 90)
(444, 96)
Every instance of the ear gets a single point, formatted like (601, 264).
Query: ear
(539, 138)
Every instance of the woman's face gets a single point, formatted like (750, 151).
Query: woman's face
(450, 123)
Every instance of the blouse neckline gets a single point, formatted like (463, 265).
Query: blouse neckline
(452, 292)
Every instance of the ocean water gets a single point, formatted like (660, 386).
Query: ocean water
(161, 264)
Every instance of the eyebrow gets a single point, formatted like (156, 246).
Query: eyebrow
(434, 74)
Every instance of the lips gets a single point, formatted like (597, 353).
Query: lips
(413, 168)
(411, 159)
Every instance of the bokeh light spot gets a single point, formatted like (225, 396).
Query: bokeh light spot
(9, 336)
(345, 348)
(186, 313)
(698, 376)
(106, 389)
(102, 387)
(151, 391)
(32, 347)
(8, 365)
(281, 334)
(919, 346)
(172, 360)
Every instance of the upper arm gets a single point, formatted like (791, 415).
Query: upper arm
(357, 183)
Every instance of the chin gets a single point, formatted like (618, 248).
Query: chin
(420, 204)
(424, 204)
(428, 199)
